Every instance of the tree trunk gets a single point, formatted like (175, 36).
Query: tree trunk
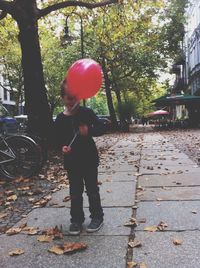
(109, 97)
(119, 100)
(36, 103)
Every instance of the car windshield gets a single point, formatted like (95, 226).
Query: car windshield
(3, 111)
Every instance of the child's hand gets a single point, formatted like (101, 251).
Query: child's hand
(66, 149)
(83, 130)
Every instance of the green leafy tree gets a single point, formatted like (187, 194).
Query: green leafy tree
(26, 14)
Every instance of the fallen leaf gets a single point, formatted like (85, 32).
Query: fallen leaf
(135, 244)
(9, 192)
(143, 265)
(45, 238)
(109, 191)
(58, 250)
(177, 242)
(23, 225)
(159, 199)
(25, 188)
(67, 248)
(162, 226)
(194, 211)
(141, 220)
(13, 231)
(16, 252)
(131, 222)
(71, 247)
(11, 198)
(67, 198)
(131, 264)
(151, 228)
(55, 232)
(3, 215)
(30, 230)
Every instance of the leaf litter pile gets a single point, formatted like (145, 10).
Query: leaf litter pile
(47, 236)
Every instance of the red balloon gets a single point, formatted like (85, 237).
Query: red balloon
(84, 78)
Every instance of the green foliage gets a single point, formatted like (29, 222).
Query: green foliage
(98, 104)
(126, 110)
(135, 39)
(172, 33)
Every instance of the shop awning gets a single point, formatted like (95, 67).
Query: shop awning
(177, 99)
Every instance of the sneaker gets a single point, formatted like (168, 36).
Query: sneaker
(75, 228)
(94, 225)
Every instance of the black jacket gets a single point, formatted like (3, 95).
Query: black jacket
(84, 152)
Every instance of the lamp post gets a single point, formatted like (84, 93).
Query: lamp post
(68, 37)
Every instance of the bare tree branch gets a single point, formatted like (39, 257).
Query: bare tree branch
(49, 9)
(2, 14)
(6, 7)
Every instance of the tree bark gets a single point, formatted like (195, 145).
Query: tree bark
(109, 96)
(36, 103)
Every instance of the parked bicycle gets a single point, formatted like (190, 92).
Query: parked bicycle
(20, 155)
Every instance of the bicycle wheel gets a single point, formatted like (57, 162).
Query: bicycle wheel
(28, 158)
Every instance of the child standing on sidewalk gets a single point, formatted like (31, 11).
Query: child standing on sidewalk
(74, 129)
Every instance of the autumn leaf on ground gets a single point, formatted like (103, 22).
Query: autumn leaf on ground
(3, 215)
(55, 232)
(193, 211)
(58, 250)
(40, 203)
(67, 198)
(131, 264)
(142, 265)
(140, 188)
(131, 222)
(162, 225)
(177, 242)
(23, 225)
(11, 198)
(9, 192)
(109, 191)
(71, 247)
(67, 248)
(25, 188)
(16, 252)
(30, 230)
(45, 238)
(143, 220)
(135, 244)
(13, 231)
(151, 228)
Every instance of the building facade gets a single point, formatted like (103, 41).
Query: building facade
(6, 96)
(192, 47)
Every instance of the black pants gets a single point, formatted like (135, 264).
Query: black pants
(77, 178)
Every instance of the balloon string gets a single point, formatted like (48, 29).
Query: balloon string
(75, 104)
(76, 134)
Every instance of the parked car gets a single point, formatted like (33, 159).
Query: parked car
(105, 119)
(8, 124)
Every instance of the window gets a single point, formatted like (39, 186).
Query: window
(5, 94)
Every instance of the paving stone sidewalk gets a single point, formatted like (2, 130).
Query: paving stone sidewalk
(106, 248)
(142, 176)
(169, 184)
